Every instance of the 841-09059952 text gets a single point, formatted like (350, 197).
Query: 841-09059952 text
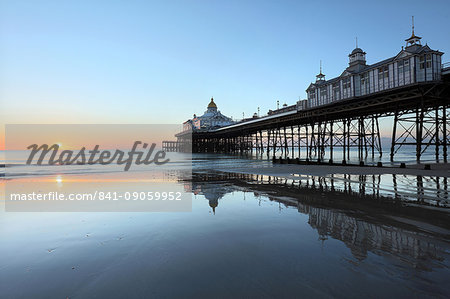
(97, 195)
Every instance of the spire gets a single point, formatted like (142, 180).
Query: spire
(413, 40)
(356, 42)
(320, 76)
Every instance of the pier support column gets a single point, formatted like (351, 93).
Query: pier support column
(394, 134)
(424, 128)
(445, 133)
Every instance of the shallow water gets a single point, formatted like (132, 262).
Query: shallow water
(244, 237)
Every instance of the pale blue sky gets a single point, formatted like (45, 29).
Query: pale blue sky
(160, 62)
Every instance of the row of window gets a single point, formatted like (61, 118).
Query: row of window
(346, 83)
(403, 66)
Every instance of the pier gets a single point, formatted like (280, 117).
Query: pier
(343, 113)
(421, 111)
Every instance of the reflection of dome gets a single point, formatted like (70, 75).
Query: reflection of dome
(211, 192)
(212, 104)
(213, 204)
(213, 195)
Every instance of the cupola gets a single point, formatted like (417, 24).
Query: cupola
(358, 56)
(413, 40)
(320, 77)
(212, 104)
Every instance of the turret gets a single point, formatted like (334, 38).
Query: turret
(413, 41)
(320, 77)
(358, 56)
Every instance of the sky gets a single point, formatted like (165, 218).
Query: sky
(151, 62)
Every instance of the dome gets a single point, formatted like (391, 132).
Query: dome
(212, 104)
(212, 118)
(357, 50)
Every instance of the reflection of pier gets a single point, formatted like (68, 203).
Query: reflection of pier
(361, 236)
(363, 221)
(427, 190)
(422, 190)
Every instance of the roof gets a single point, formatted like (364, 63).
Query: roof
(413, 36)
(320, 75)
(380, 63)
(411, 50)
(357, 50)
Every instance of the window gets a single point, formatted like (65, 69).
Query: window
(346, 83)
(346, 87)
(422, 62)
(365, 83)
(312, 94)
(400, 67)
(365, 78)
(428, 61)
(403, 67)
(323, 95)
(383, 72)
(336, 91)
